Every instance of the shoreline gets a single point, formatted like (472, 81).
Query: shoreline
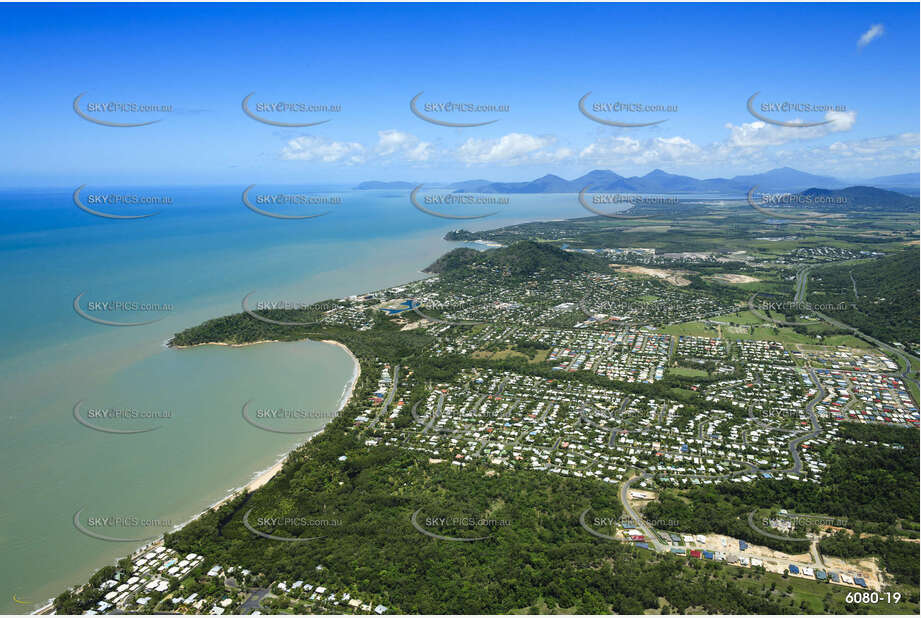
(261, 477)
(169, 344)
(267, 475)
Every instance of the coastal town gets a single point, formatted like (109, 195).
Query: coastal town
(772, 409)
(156, 579)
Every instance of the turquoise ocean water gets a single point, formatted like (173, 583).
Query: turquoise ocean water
(199, 256)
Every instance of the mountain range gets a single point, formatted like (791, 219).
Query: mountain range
(659, 181)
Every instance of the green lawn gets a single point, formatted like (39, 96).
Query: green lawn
(848, 340)
(741, 317)
(687, 372)
(695, 329)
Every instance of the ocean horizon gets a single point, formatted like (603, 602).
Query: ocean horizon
(198, 258)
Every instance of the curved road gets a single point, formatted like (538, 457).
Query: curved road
(793, 445)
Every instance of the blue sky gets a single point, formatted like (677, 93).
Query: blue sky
(538, 60)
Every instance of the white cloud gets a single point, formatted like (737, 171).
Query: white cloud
(759, 144)
(392, 141)
(904, 145)
(875, 31)
(759, 133)
(753, 145)
(422, 151)
(511, 149)
(395, 142)
(611, 147)
(391, 144)
(314, 148)
(648, 152)
(555, 156)
(671, 148)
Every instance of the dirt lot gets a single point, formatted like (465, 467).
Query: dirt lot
(729, 278)
(671, 276)
(639, 503)
(865, 567)
(776, 561)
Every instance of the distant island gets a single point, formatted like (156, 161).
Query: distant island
(372, 185)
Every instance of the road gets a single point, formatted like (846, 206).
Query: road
(802, 277)
(389, 399)
(635, 516)
(905, 374)
(796, 468)
(795, 442)
(435, 416)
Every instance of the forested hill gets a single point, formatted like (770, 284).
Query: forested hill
(881, 295)
(522, 259)
(861, 199)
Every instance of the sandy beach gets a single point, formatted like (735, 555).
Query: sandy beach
(169, 344)
(265, 476)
